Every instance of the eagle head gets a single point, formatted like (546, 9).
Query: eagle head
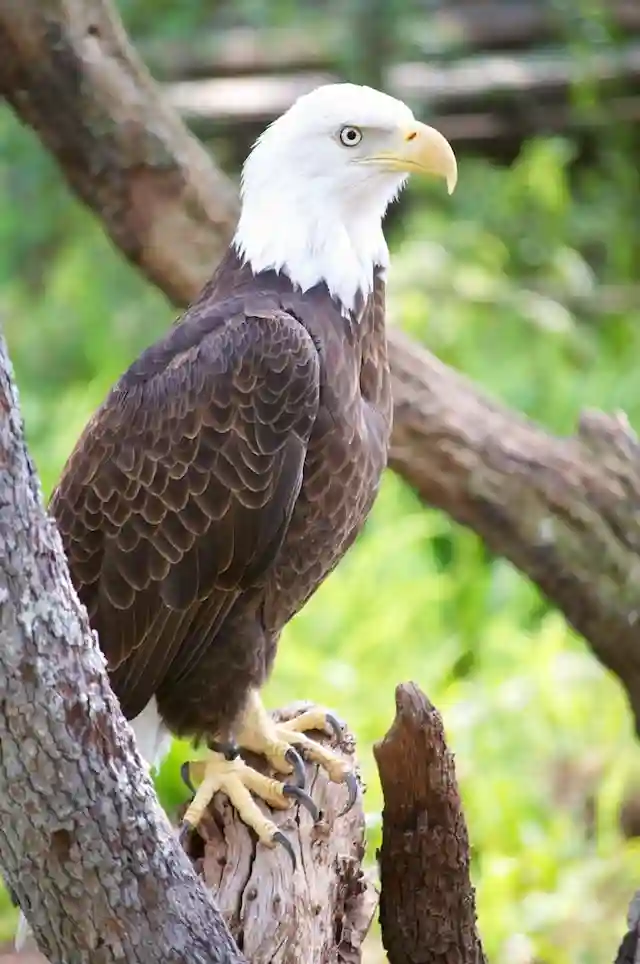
(318, 181)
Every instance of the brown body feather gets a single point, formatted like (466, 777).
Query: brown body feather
(223, 478)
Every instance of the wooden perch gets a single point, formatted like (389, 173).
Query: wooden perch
(427, 903)
(323, 911)
(565, 511)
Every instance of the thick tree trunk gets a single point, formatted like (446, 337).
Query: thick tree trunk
(84, 844)
(565, 511)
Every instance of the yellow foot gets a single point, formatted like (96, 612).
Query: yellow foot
(238, 781)
(280, 743)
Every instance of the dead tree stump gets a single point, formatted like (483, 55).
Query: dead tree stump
(319, 913)
(427, 903)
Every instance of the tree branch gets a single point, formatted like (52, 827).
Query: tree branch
(69, 71)
(84, 844)
(427, 903)
(564, 511)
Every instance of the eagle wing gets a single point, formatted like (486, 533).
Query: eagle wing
(179, 493)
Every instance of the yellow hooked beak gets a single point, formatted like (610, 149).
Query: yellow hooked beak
(421, 149)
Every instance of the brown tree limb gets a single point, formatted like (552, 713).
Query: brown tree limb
(565, 511)
(69, 71)
(427, 903)
(84, 844)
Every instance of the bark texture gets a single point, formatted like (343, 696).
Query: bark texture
(84, 844)
(629, 950)
(427, 903)
(68, 70)
(320, 913)
(564, 511)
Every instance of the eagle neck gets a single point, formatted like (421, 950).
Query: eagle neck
(315, 244)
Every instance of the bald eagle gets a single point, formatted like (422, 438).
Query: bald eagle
(234, 463)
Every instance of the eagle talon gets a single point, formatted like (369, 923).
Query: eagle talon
(336, 726)
(295, 760)
(186, 779)
(352, 785)
(279, 838)
(303, 798)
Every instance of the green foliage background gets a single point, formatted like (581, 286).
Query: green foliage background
(501, 282)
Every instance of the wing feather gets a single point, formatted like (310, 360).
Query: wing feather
(180, 491)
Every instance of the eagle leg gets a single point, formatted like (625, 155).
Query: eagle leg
(239, 781)
(259, 733)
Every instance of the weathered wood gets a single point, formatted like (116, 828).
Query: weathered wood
(564, 511)
(427, 903)
(319, 914)
(628, 950)
(84, 846)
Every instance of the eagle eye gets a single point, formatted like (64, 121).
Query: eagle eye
(350, 136)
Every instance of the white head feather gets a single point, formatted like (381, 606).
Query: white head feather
(312, 205)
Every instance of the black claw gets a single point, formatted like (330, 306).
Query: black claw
(229, 750)
(186, 779)
(280, 838)
(352, 785)
(336, 726)
(302, 797)
(183, 835)
(293, 757)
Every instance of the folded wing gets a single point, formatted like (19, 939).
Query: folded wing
(179, 493)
